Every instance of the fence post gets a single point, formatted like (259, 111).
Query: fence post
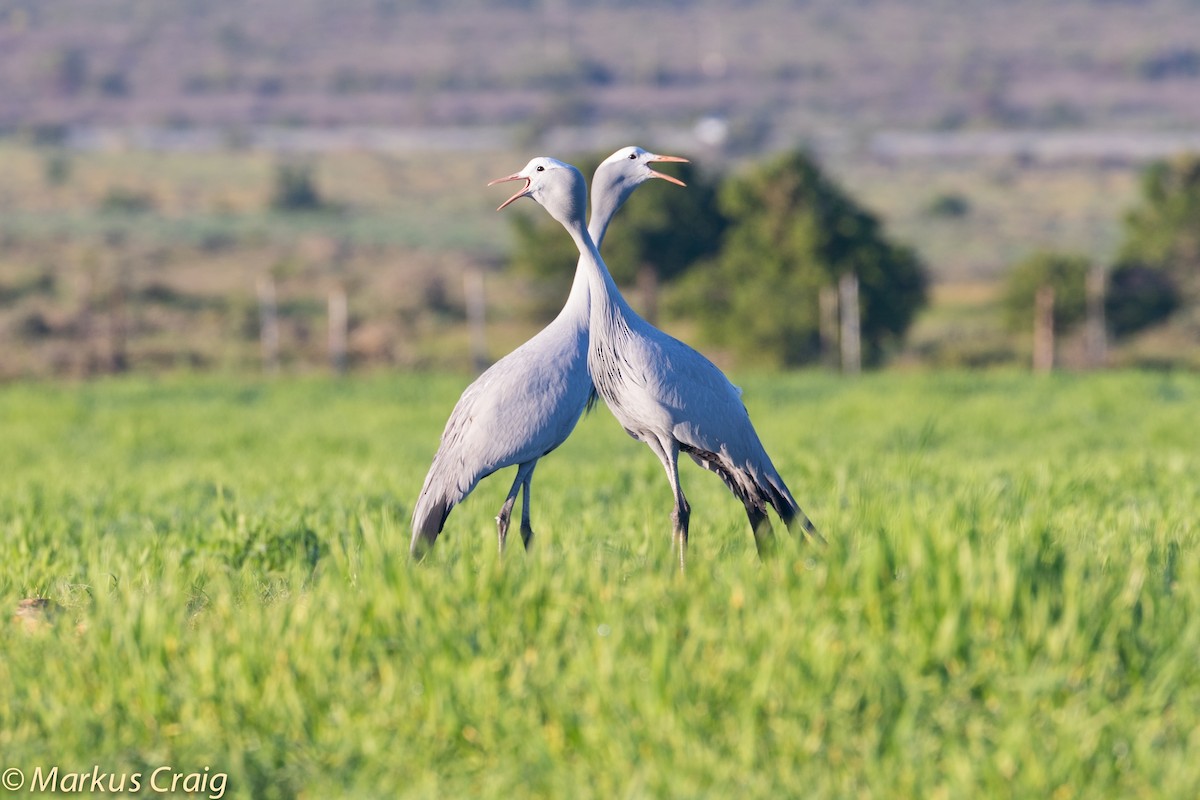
(647, 282)
(851, 331)
(339, 321)
(118, 322)
(476, 296)
(268, 318)
(1095, 330)
(1043, 330)
(827, 312)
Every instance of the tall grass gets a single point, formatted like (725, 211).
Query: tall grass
(1008, 605)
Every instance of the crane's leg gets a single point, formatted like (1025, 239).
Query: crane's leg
(526, 527)
(668, 453)
(523, 472)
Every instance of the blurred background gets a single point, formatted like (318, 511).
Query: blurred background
(299, 185)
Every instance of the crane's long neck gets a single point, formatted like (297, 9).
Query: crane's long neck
(605, 299)
(606, 201)
(575, 310)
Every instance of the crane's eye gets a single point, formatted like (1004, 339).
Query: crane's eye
(541, 168)
(633, 156)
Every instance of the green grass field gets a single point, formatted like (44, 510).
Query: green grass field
(1009, 605)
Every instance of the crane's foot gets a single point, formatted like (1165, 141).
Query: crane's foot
(680, 516)
(502, 528)
(679, 543)
(526, 535)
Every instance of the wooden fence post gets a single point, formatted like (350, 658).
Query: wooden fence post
(118, 327)
(1095, 330)
(827, 312)
(647, 282)
(87, 360)
(268, 318)
(476, 296)
(851, 331)
(339, 321)
(1043, 330)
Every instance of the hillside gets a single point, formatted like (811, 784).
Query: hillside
(775, 69)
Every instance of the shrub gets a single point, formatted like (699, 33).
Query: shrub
(1138, 297)
(296, 188)
(1066, 273)
(792, 232)
(120, 200)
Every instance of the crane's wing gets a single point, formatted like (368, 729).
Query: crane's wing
(519, 409)
(673, 388)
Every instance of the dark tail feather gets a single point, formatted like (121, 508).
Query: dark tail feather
(593, 396)
(757, 492)
(790, 512)
(429, 517)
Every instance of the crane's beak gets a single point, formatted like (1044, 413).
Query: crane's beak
(516, 176)
(657, 174)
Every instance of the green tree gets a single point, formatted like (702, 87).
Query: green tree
(792, 232)
(1158, 265)
(295, 188)
(663, 227)
(1066, 273)
(1163, 232)
(1137, 298)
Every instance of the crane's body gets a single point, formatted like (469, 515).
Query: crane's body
(663, 392)
(523, 406)
(669, 396)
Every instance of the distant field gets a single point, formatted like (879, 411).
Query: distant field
(1010, 210)
(418, 200)
(1008, 605)
(172, 283)
(438, 201)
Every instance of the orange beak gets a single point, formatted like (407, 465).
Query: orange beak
(516, 176)
(657, 174)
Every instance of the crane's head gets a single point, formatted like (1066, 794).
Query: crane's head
(557, 186)
(625, 170)
(634, 163)
(616, 178)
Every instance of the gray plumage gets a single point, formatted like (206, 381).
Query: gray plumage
(662, 391)
(527, 403)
